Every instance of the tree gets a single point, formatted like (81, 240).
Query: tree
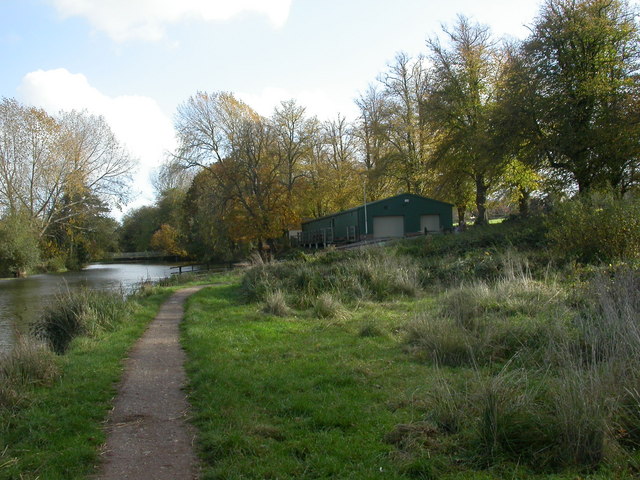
(171, 175)
(206, 219)
(343, 185)
(461, 105)
(582, 91)
(19, 250)
(240, 149)
(166, 239)
(293, 140)
(375, 148)
(138, 226)
(48, 165)
(405, 92)
(88, 233)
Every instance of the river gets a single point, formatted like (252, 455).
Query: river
(22, 299)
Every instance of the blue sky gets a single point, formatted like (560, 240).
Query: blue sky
(135, 61)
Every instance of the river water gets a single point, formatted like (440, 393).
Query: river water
(22, 299)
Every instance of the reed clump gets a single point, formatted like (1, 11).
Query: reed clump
(29, 363)
(81, 312)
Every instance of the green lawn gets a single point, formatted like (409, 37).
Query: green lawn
(301, 397)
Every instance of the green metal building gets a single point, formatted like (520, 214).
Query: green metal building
(395, 217)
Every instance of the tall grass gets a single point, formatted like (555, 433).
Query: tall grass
(576, 405)
(374, 274)
(484, 322)
(275, 303)
(29, 363)
(80, 312)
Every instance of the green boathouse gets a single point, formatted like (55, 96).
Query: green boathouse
(395, 217)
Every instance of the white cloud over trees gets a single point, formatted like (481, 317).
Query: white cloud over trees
(137, 121)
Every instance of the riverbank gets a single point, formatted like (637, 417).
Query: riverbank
(55, 430)
(22, 299)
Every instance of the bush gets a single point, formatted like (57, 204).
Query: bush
(80, 312)
(597, 227)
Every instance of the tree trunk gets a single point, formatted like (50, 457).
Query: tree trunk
(462, 211)
(481, 201)
(523, 202)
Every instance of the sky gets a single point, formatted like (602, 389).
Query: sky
(136, 61)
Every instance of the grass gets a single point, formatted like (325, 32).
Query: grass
(58, 433)
(472, 356)
(81, 312)
(382, 363)
(29, 363)
(307, 396)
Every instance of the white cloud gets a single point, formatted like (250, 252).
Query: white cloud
(319, 102)
(146, 19)
(137, 121)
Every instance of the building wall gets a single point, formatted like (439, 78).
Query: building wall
(412, 207)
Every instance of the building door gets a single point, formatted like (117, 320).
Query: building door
(388, 226)
(430, 222)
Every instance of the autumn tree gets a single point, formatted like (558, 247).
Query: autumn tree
(167, 240)
(61, 173)
(375, 150)
(580, 91)
(461, 105)
(344, 185)
(49, 165)
(241, 150)
(405, 92)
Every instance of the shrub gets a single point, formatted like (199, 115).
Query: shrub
(80, 312)
(597, 227)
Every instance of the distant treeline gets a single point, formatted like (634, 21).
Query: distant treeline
(477, 121)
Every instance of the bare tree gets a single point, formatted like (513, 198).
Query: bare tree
(48, 166)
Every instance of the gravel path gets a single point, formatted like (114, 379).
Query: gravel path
(147, 434)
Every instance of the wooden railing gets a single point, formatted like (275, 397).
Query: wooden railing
(199, 267)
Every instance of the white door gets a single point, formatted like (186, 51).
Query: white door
(430, 222)
(388, 226)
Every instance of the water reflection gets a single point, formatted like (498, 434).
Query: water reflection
(22, 299)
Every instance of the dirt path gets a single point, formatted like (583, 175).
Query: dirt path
(147, 435)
